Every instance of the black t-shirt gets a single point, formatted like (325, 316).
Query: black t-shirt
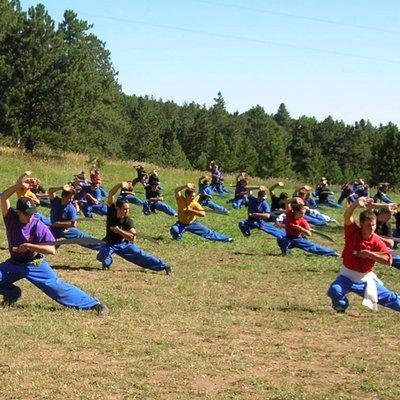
(383, 228)
(151, 193)
(276, 203)
(398, 221)
(124, 223)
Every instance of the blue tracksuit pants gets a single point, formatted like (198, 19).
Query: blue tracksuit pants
(329, 203)
(178, 229)
(237, 203)
(290, 242)
(214, 206)
(45, 279)
(130, 198)
(150, 206)
(73, 233)
(246, 225)
(343, 285)
(130, 252)
(219, 188)
(89, 209)
(314, 220)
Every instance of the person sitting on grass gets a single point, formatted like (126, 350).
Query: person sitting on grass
(29, 241)
(155, 200)
(297, 228)
(258, 214)
(188, 211)
(121, 236)
(205, 196)
(64, 216)
(362, 249)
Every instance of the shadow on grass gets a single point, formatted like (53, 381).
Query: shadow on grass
(71, 268)
(245, 253)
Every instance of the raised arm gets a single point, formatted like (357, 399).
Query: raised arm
(122, 185)
(21, 182)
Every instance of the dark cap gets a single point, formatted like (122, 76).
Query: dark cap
(26, 205)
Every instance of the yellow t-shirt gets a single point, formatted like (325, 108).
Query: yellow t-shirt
(186, 217)
(26, 193)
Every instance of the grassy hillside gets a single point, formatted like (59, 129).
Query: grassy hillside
(236, 321)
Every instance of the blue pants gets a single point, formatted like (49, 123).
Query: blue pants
(246, 225)
(329, 203)
(237, 203)
(73, 233)
(315, 220)
(151, 206)
(43, 218)
(396, 261)
(130, 198)
(45, 279)
(178, 229)
(290, 242)
(130, 252)
(214, 206)
(219, 188)
(342, 285)
(89, 209)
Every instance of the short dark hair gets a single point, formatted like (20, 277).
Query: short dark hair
(367, 214)
(66, 193)
(296, 207)
(189, 191)
(120, 202)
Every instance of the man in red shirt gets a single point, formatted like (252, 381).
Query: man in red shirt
(362, 249)
(296, 228)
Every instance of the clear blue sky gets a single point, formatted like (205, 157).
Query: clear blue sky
(319, 57)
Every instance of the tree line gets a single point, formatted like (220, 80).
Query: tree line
(58, 87)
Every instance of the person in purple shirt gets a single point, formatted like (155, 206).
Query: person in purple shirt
(29, 240)
(217, 181)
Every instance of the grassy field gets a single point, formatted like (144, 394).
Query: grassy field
(236, 321)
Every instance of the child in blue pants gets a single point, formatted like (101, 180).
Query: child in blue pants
(29, 240)
(296, 226)
(205, 196)
(188, 211)
(258, 214)
(121, 235)
(155, 201)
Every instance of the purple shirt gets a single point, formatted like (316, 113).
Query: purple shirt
(35, 232)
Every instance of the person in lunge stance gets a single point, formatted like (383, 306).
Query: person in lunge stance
(258, 215)
(64, 216)
(121, 236)
(29, 241)
(188, 211)
(362, 249)
(297, 228)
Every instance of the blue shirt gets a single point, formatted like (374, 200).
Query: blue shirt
(60, 213)
(256, 206)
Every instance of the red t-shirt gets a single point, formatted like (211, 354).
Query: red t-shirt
(292, 231)
(355, 242)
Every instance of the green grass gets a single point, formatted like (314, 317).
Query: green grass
(236, 321)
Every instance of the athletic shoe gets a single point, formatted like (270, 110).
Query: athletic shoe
(101, 309)
(230, 240)
(168, 271)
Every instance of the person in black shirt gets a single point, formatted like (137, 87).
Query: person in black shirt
(121, 236)
(155, 201)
